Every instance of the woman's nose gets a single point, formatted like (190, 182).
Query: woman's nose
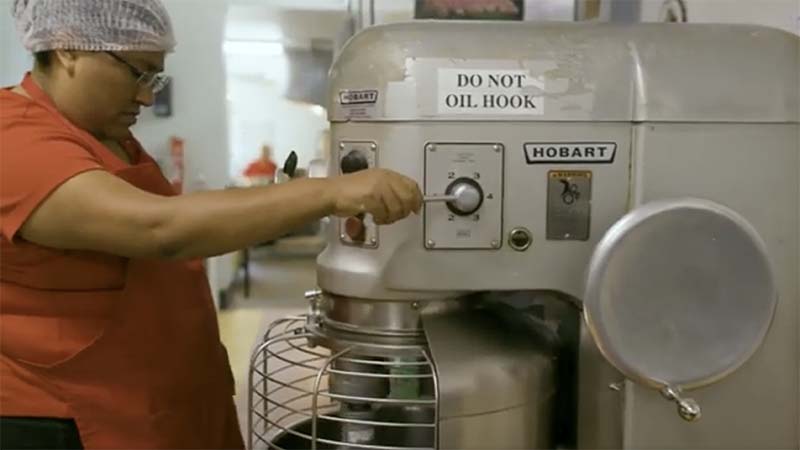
(145, 96)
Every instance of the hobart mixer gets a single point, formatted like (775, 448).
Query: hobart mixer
(611, 222)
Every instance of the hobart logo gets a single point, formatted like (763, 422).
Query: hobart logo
(358, 97)
(570, 153)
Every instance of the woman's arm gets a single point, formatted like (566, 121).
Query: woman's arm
(98, 211)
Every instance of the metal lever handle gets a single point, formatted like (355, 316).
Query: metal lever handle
(290, 166)
(439, 198)
(688, 409)
(313, 294)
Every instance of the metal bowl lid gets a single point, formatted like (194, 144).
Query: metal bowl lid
(679, 294)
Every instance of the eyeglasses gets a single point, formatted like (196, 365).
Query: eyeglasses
(151, 80)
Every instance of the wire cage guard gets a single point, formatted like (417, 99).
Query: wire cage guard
(356, 396)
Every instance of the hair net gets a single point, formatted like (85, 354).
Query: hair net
(94, 25)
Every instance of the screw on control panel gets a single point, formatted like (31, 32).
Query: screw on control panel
(343, 237)
(430, 147)
(495, 244)
(497, 147)
(430, 244)
(341, 145)
(415, 305)
(373, 146)
(373, 241)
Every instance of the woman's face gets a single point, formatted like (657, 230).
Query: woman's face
(101, 93)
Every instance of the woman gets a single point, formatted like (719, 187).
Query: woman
(109, 335)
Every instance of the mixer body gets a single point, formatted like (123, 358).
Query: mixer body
(462, 327)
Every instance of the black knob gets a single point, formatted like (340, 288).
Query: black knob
(354, 161)
(290, 166)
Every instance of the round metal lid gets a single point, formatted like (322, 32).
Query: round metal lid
(679, 293)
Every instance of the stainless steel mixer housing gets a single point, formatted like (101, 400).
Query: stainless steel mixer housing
(613, 228)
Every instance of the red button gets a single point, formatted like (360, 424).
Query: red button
(354, 229)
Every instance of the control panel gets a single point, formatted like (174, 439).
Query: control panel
(355, 156)
(468, 179)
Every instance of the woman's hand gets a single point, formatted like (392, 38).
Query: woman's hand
(386, 195)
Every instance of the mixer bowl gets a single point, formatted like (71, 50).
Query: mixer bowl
(329, 432)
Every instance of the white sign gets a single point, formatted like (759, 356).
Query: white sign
(570, 152)
(486, 91)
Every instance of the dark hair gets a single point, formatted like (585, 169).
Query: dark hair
(43, 59)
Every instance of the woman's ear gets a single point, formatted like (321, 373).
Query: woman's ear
(67, 59)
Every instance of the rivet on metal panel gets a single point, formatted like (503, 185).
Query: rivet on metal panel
(341, 145)
(373, 146)
(430, 244)
(430, 148)
(497, 147)
(373, 241)
(495, 244)
(343, 237)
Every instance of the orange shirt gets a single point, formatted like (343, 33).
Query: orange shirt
(38, 153)
(114, 343)
(261, 169)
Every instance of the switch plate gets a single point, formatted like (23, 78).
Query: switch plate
(368, 148)
(569, 205)
(447, 162)
(370, 151)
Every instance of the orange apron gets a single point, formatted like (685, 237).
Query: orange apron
(139, 366)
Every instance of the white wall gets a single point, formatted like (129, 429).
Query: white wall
(258, 66)
(260, 115)
(14, 60)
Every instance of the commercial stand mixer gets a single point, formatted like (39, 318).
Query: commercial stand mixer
(610, 226)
